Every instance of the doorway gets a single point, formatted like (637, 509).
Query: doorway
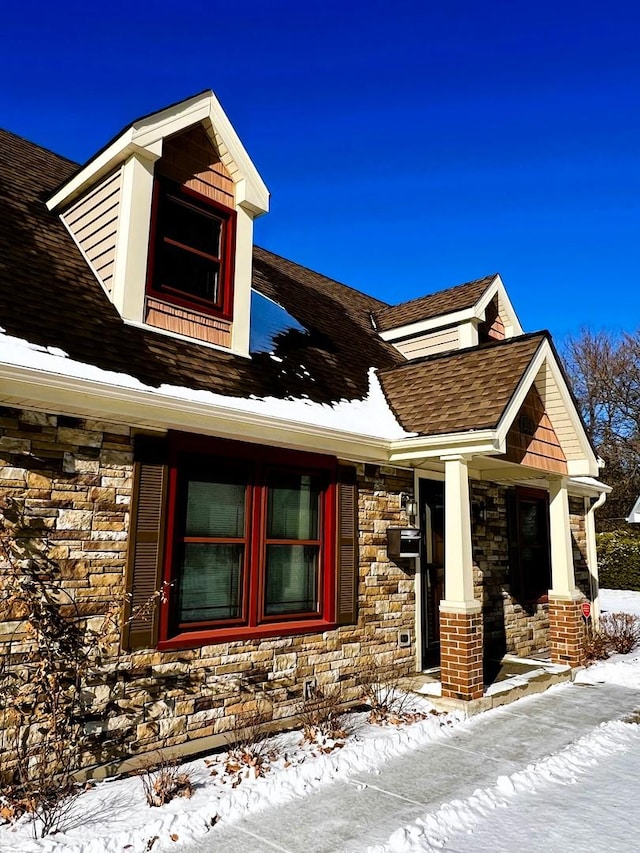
(431, 500)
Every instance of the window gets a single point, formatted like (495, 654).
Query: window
(529, 544)
(251, 542)
(192, 252)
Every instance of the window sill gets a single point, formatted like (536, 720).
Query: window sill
(194, 639)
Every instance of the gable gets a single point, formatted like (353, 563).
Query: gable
(190, 159)
(532, 441)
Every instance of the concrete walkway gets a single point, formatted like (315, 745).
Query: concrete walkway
(350, 816)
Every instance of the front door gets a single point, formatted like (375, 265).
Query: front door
(432, 566)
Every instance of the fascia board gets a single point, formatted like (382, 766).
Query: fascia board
(544, 355)
(428, 325)
(526, 381)
(587, 486)
(464, 443)
(145, 138)
(511, 311)
(481, 305)
(102, 165)
(144, 409)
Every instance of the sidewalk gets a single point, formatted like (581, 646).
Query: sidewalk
(351, 816)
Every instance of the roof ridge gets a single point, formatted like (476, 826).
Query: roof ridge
(488, 278)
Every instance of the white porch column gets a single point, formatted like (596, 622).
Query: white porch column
(563, 582)
(458, 560)
(461, 644)
(566, 626)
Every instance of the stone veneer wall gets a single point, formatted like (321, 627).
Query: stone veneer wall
(75, 479)
(509, 626)
(579, 541)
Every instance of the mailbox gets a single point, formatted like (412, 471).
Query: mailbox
(403, 542)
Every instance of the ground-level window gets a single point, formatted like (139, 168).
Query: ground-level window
(251, 542)
(529, 544)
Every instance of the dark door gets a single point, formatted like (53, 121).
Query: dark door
(432, 565)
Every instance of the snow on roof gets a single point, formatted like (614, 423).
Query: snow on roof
(370, 417)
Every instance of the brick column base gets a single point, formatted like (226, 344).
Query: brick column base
(566, 631)
(461, 655)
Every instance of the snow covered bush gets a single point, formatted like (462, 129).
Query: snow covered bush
(619, 559)
(389, 703)
(622, 631)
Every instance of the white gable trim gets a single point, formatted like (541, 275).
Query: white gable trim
(582, 460)
(145, 138)
(475, 314)
(634, 515)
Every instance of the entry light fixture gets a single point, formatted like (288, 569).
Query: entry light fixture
(408, 504)
(479, 510)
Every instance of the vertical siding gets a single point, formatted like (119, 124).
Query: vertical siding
(441, 340)
(93, 222)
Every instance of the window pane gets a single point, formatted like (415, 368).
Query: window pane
(182, 270)
(293, 507)
(215, 509)
(292, 573)
(191, 226)
(210, 582)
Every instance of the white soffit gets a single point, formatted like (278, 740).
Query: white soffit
(145, 136)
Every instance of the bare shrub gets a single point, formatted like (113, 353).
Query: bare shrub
(389, 703)
(596, 646)
(323, 718)
(251, 749)
(622, 631)
(163, 781)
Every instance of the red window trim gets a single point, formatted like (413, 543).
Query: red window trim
(256, 624)
(227, 259)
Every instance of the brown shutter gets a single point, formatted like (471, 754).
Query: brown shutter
(348, 551)
(144, 562)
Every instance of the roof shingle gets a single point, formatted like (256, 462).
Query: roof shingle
(459, 391)
(433, 305)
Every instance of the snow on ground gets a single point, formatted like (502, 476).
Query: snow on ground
(527, 811)
(113, 816)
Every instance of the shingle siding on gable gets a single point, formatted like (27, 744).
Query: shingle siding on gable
(190, 159)
(93, 222)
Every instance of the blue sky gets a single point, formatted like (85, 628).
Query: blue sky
(408, 146)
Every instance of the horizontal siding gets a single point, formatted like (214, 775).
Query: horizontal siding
(442, 340)
(93, 222)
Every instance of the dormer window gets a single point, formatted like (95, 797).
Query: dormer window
(191, 258)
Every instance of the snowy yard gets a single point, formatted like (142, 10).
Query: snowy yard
(555, 803)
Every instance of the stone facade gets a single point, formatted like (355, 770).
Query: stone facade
(510, 626)
(75, 478)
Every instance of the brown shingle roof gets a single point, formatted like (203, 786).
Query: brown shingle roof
(49, 296)
(459, 391)
(434, 305)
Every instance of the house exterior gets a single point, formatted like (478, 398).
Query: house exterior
(219, 441)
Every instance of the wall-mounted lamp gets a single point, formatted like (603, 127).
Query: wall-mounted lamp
(479, 510)
(408, 504)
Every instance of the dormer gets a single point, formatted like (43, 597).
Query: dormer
(464, 316)
(164, 217)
